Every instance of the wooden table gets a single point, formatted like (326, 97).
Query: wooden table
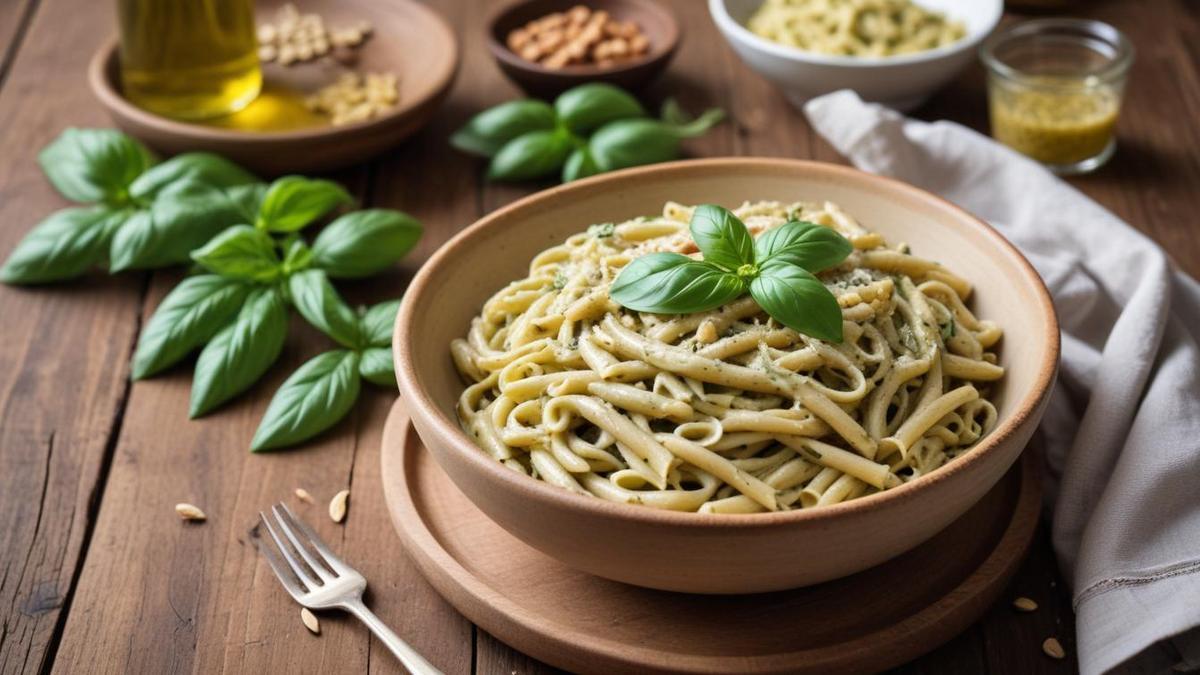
(97, 573)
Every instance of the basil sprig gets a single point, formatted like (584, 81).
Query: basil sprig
(589, 129)
(143, 215)
(777, 269)
(323, 390)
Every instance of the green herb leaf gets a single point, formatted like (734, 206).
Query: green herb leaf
(366, 242)
(247, 199)
(376, 366)
(241, 352)
(182, 218)
(626, 143)
(804, 244)
(292, 202)
(320, 304)
(241, 252)
(313, 399)
(722, 238)
(670, 283)
(594, 104)
(63, 246)
(204, 167)
(94, 165)
(673, 113)
(531, 155)
(948, 329)
(798, 300)
(488, 131)
(188, 317)
(297, 256)
(602, 230)
(579, 165)
(378, 321)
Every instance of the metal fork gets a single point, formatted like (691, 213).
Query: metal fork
(323, 581)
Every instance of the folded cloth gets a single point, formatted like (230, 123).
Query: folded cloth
(1122, 430)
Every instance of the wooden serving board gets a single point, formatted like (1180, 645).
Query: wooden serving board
(873, 620)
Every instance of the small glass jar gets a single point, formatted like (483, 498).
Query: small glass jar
(1055, 89)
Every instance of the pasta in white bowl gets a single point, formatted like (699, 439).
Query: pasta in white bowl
(727, 411)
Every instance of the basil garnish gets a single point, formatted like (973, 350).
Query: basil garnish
(313, 399)
(777, 269)
(292, 202)
(188, 317)
(241, 352)
(363, 243)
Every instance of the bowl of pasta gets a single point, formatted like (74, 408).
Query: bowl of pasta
(895, 52)
(741, 441)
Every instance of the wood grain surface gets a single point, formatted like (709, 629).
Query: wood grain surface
(97, 574)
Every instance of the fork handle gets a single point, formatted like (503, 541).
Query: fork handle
(414, 662)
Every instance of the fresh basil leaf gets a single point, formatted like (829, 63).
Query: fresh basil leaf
(204, 167)
(247, 199)
(804, 244)
(670, 283)
(590, 106)
(579, 165)
(182, 218)
(722, 237)
(313, 399)
(241, 252)
(673, 113)
(488, 131)
(532, 155)
(798, 300)
(63, 246)
(297, 256)
(188, 317)
(696, 127)
(376, 366)
(378, 321)
(320, 304)
(292, 202)
(363, 243)
(626, 143)
(241, 352)
(94, 165)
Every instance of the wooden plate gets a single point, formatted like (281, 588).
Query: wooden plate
(873, 620)
(408, 39)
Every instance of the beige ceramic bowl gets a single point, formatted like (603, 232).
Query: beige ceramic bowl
(705, 553)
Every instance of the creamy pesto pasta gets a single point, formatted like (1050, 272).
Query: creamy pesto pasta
(854, 27)
(727, 411)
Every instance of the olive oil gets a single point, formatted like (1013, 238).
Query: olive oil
(189, 59)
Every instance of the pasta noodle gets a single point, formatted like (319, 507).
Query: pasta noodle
(854, 27)
(727, 411)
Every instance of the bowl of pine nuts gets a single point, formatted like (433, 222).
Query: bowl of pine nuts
(548, 46)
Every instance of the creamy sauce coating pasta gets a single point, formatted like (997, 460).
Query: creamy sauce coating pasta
(727, 411)
(874, 28)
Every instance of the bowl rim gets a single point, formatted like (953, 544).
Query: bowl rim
(104, 62)
(501, 52)
(421, 406)
(734, 29)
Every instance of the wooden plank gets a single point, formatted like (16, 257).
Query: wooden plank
(15, 16)
(62, 369)
(199, 597)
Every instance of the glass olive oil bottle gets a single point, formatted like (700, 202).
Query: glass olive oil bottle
(189, 59)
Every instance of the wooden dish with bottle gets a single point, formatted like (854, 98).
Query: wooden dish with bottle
(410, 40)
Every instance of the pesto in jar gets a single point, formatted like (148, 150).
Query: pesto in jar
(1055, 120)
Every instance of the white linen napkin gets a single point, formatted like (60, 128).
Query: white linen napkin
(1122, 430)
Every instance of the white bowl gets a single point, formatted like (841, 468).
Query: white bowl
(902, 82)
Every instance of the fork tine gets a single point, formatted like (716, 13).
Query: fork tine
(317, 566)
(290, 582)
(335, 563)
(297, 567)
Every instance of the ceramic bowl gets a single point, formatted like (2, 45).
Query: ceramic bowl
(721, 553)
(409, 39)
(902, 82)
(655, 20)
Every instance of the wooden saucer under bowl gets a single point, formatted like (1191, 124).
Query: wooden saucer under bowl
(408, 39)
(875, 619)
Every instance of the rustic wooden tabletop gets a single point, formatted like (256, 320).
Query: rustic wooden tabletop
(97, 573)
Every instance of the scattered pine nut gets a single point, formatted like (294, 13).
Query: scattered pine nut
(1024, 604)
(310, 621)
(303, 496)
(298, 38)
(356, 98)
(1053, 649)
(190, 512)
(337, 506)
